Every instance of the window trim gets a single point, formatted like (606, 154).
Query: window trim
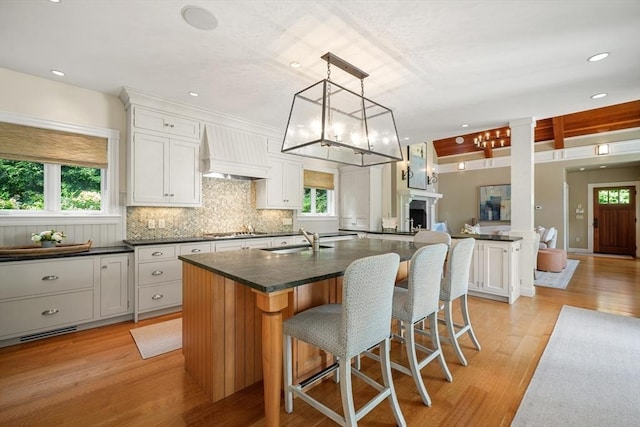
(110, 176)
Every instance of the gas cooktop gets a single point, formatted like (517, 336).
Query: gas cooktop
(231, 235)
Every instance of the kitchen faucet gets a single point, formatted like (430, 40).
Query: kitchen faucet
(314, 240)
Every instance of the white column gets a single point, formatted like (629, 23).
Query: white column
(522, 197)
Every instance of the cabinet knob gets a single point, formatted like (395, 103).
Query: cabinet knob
(156, 254)
(171, 194)
(50, 312)
(195, 251)
(51, 277)
(157, 273)
(104, 267)
(157, 297)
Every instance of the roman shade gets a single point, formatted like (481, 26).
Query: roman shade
(26, 143)
(315, 179)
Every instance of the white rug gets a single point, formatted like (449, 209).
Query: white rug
(159, 338)
(589, 374)
(556, 280)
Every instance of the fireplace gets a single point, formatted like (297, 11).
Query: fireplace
(418, 214)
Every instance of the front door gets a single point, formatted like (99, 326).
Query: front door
(614, 220)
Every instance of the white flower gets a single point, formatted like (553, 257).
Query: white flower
(51, 235)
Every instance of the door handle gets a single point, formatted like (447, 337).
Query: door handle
(595, 222)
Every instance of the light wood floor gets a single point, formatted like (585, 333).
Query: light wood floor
(97, 377)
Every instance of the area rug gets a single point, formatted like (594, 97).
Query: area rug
(588, 374)
(159, 338)
(557, 280)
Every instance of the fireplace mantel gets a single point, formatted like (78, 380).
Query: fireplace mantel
(405, 197)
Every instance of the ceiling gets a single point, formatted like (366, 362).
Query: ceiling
(436, 64)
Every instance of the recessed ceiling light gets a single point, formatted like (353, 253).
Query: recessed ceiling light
(199, 18)
(598, 57)
(406, 138)
(294, 64)
(459, 140)
(603, 166)
(466, 125)
(598, 95)
(192, 93)
(54, 1)
(581, 169)
(57, 73)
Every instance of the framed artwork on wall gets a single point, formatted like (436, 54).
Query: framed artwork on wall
(417, 155)
(495, 203)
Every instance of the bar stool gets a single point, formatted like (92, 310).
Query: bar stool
(362, 321)
(429, 236)
(456, 285)
(413, 305)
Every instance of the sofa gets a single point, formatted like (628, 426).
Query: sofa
(548, 237)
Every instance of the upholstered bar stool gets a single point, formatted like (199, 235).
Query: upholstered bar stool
(456, 285)
(429, 236)
(413, 305)
(362, 321)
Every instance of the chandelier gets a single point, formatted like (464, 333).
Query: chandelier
(499, 138)
(330, 122)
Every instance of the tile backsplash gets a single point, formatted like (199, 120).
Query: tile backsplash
(227, 206)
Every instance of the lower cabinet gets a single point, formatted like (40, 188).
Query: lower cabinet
(495, 270)
(41, 298)
(158, 277)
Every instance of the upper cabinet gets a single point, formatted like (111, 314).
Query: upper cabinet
(163, 159)
(361, 198)
(283, 188)
(144, 118)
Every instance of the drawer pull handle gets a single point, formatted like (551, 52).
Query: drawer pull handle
(157, 273)
(50, 277)
(196, 250)
(157, 297)
(156, 254)
(50, 312)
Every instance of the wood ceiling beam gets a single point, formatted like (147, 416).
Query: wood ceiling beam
(559, 128)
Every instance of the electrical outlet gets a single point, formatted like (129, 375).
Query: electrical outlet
(161, 223)
(287, 221)
(577, 239)
(151, 223)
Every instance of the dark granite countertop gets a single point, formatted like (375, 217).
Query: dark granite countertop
(494, 237)
(268, 271)
(169, 240)
(106, 250)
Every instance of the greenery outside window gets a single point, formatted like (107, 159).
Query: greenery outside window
(614, 197)
(318, 193)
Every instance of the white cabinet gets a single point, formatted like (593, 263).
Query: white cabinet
(288, 241)
(283, 188)
(114, 285)
(42, 298)
(163, 172)
(158, 277)
(361, 198)
(163, 159)
(495, 270)
(159, 121)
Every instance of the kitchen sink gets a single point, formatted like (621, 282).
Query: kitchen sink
(293, 249)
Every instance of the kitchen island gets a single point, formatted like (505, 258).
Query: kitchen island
(234, 304)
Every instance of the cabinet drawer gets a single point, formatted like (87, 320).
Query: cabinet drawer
(154, 297)
(166, 123)
(34, 278)
(150, 273)
(155, 253)
(42, 313)
(194, 248)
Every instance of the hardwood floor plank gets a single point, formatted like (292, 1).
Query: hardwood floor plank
(97, 377)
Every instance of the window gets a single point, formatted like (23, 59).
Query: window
(614, 197)
(318, 193)
(49, 168)
(315, 201)
(33, 186)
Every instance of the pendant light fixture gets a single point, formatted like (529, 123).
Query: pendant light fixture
(330, 122)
